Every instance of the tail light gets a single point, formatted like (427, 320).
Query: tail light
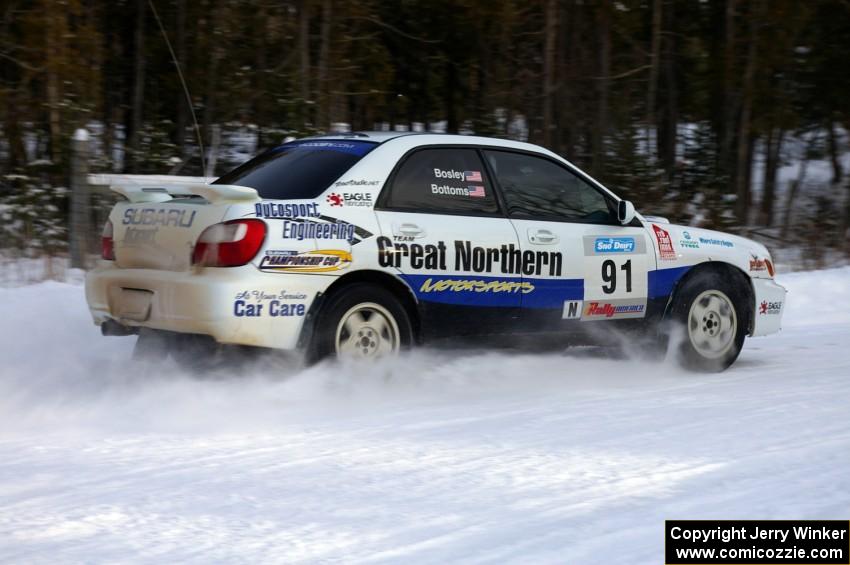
(229, 244)
(107, 245)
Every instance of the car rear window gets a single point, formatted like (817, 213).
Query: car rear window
(298, 170)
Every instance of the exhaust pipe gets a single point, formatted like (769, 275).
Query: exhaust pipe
(112, 328)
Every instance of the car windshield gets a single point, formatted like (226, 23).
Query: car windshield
(298, 170)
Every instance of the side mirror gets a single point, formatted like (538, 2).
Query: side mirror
(625, 212)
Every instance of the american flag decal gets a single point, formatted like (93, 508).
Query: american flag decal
(473, 176)
(476, 191)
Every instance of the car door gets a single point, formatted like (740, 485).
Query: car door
(598, 268)
(444, 234)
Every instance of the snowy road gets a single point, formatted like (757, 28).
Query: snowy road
(479, 457)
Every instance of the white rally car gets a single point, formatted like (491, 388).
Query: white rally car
(363, 244)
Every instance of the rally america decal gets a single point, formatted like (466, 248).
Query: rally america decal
(612, 309)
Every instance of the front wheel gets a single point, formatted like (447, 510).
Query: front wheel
(713, 312)
(361, 321)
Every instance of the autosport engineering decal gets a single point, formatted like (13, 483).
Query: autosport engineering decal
(302, 221)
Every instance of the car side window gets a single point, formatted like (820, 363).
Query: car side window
(537, 188)
(447, 180)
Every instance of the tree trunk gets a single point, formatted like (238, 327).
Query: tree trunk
(657, 12)
(211, 87)
(304, 49)
(17, 156)
(54, 37)
(729, 99)
(668, 126)
(603, 87)
(834, 155)
(551, 33)
(742, 203)
(181, 116)
(772, 150)
(131, 153)
(259, 113)
(794, 189)
(323, 120)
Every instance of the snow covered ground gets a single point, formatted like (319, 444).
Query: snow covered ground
(461, 456)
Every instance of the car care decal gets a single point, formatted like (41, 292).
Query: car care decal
(665, 244)
(321, 261)
(506, 259)
(770, 308)
(257, 303)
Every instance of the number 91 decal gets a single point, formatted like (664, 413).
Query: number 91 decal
(609, 275)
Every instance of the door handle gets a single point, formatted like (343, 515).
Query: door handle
(542, 236)
(408, 230)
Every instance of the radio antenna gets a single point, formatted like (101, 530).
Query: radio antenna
(185, 88)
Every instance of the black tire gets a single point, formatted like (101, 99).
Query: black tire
(341, 302)
(703, 309)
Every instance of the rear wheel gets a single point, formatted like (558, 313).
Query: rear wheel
(712, 310)
(361, 321)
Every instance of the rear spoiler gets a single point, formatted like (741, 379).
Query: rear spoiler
(156, 188)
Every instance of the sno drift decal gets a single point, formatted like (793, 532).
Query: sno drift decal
(506, 259)
(604, 245)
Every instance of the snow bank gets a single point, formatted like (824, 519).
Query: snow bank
(475, 456)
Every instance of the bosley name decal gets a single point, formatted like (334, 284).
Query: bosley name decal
(506, 259)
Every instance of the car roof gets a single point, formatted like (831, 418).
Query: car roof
(426, 138)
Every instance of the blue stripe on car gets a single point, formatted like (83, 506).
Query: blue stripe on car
(662, 281)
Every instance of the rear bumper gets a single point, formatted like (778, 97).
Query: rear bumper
(769, 306)
(237, 305)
